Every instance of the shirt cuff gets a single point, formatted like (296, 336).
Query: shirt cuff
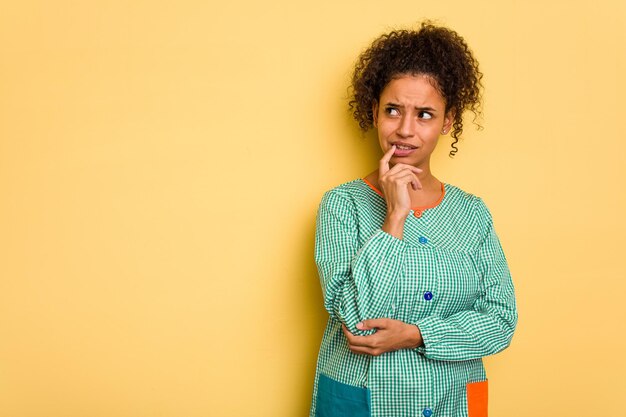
(427, 327)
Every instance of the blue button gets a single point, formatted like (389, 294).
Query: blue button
(422, 239)
(428, 296)
(427, 412)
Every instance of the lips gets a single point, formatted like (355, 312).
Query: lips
(403, 149)
(404, 145)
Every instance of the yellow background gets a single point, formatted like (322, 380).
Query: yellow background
(160, 169)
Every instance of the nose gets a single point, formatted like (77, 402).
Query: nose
(407, 127)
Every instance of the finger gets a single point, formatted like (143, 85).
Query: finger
(383, 165)
(370, 341)
(404, 177)
(414, 179)
(349, 336)
(354, 339)
(366, 351)
(416, 183)
(400, 167)
(346, 332)
(373, 324)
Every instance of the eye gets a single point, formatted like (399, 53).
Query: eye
(392, 111)
(424, 115)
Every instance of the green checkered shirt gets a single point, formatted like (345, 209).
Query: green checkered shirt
(448, 276)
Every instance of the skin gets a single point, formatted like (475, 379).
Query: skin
(411, 112)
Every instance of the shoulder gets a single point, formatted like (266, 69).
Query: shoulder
(346, 194)
(460, 196)
(352, 202)
(469, 206)
(463, 198)
(349, 189)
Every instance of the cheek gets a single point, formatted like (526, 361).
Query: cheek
(385, 129)
(383, 138)
(430, 134)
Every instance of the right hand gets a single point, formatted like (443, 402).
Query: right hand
(395, 183)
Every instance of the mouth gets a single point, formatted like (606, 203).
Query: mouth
(403, 149)
(403, 145)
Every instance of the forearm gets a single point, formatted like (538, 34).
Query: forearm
(487, 326)
(363, 287)
(358, 273)
(468, 334)
(394, 225)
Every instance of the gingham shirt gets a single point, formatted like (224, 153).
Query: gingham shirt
(448, 275)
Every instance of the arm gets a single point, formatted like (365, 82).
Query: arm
(488, 327)
(358, 282)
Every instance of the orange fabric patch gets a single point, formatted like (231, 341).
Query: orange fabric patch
(477, 398)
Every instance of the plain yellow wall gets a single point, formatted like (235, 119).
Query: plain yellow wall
(160, 169)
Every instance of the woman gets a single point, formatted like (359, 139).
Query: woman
(413, 275)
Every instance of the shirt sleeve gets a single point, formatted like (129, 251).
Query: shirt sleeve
(358, 280)
(487, 327)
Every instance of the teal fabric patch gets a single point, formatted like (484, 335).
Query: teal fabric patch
(336, 399)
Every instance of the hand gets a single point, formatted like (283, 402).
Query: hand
(390, 335)
(395, 184)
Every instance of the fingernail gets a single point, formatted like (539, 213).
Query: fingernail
(359, 326)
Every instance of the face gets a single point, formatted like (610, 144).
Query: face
(411, 114)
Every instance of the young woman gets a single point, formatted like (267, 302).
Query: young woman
(413, 275)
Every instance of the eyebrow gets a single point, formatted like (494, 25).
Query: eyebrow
(430, 109)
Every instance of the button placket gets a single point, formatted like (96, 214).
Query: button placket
(427, 295)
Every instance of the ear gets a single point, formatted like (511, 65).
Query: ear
(375, 113)
(448, 120)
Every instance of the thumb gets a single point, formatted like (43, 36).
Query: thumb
(372, 324)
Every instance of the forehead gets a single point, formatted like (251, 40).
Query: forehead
(415, 90)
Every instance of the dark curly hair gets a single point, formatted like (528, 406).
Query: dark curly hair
(435, 51)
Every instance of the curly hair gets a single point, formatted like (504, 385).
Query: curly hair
(435, 51)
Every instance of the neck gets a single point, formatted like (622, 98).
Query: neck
(429, 181)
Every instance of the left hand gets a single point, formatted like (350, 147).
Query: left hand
(390, 335)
